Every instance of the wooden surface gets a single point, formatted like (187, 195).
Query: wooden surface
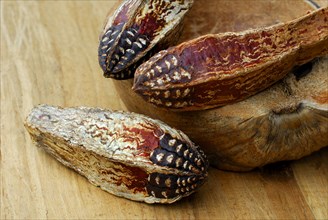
(49, 55)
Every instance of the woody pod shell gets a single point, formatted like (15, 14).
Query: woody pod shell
(126, 154)
(287, 121)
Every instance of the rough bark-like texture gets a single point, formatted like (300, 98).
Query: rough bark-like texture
(215, 70)
(136, 28)
(285, 122)
(126, 154)
(290, 117)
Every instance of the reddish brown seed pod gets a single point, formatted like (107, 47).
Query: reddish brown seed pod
(134, 29)
(215, 70)
(126, 154)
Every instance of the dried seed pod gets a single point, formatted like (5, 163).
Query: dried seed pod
(126, 154)
(287, 121)
(135, 28)
(216, 70)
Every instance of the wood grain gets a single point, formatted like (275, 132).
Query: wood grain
(49, 55)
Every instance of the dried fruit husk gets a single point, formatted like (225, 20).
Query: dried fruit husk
(285, 122)
(219, 69)
(137, 29)
(126, 154)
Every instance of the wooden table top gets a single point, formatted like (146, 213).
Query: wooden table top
(49, 55)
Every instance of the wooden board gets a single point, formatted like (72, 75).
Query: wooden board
(49, 55)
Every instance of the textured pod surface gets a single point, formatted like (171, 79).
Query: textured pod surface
(216, 70)
(285, 122)
(126, 154)
(134, 29)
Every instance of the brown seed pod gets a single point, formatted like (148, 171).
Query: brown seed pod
(134, 29)
(126, 154)
(287, 121)
(215, 70)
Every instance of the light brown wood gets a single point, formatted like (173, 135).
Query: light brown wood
(49, 55)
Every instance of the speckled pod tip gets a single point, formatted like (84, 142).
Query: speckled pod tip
(126, 154)
(134, 29)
